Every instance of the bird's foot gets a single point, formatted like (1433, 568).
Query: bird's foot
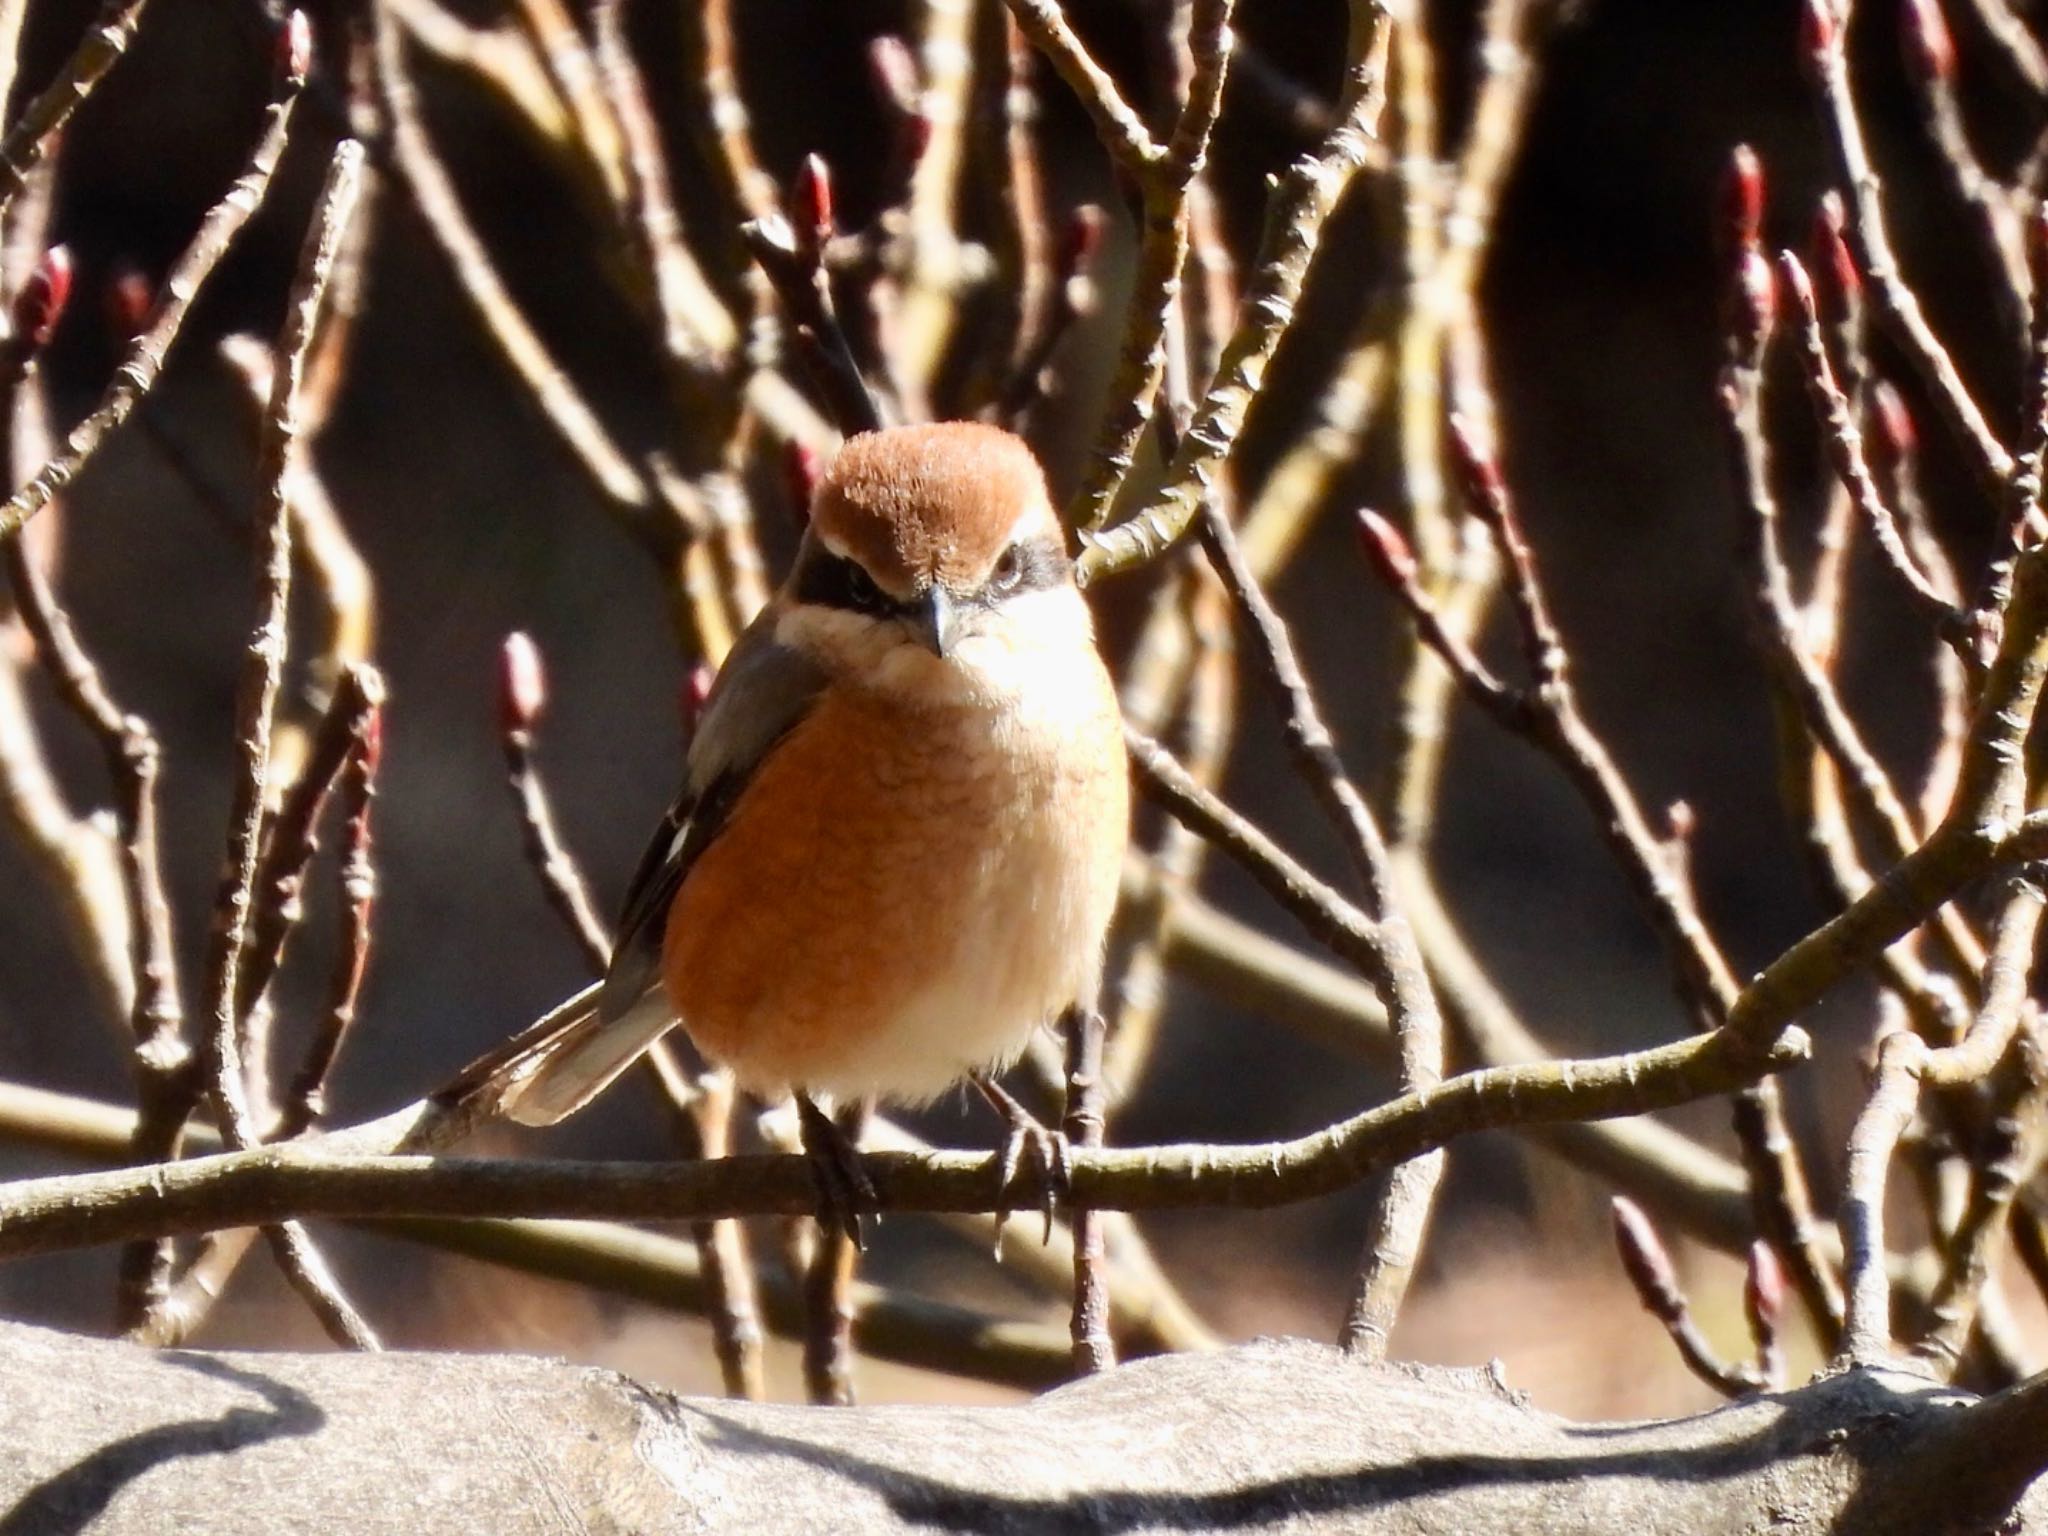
(1050, 1156)
(845, 1192)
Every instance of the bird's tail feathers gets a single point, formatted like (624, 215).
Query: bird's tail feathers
(584, 1057)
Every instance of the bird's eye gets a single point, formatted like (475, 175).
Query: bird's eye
(1009, 570)
(861, 588)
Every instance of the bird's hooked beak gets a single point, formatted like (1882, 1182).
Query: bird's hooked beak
(935, 618)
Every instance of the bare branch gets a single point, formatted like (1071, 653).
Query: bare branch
(1121, 132)
(1294, 223)
(261, 674)
(145, 356)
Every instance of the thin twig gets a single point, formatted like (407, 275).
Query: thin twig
(2021, 494)
(1084, 1127)
(1119, 128)
(97, 52)
(1826, 27)
(522, 695)
(1294, 223)
(1207, 683)
(1547, 713)
(1845, 452)
(1400, 1213)
(696, 330)
(305, 1103)
(2003, 25)
(1808, 703)
(262, 671)
(560, 403)
(1650, 1270)
(2011, 1111)
(291, 836)
(1164, 189)
(161, 1059)
(792, 252)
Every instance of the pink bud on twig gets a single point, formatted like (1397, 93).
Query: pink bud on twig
(1649, 1267)
(1839, 282)
(295, 50)
(810, 205)
(1476, 466)
(1894, 437)
(1387, 548)
(1797, 283)
(40, 303)
(1763, 1292)
(1924, 40)
(1742, 199)
(1816, 29)
(522, 683)
(1752, 303)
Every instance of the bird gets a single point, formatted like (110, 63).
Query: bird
(904, 811)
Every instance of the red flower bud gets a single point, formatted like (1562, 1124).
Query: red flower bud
(1476, 466)
(1817, 29)
(810, 205)
(1838, 280)
(1751, 306)
(40, 303)
(1387, 549)
(1893, 438)
(1924, 40)
(522, 684)
(1742, 200)
(1649, 1267)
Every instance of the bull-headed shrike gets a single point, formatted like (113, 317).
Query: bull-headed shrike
(896, 850)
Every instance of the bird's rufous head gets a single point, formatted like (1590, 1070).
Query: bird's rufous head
(935, 525)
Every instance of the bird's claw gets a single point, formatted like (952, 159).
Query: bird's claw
(1050, 1154)
(845, 1192)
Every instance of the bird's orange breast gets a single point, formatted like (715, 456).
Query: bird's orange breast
(902, 893)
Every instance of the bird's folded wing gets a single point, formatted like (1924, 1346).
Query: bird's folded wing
(762, 692)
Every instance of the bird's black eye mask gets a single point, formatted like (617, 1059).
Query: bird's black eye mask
(833, 581)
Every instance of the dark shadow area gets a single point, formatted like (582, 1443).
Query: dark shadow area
(930, 1500)
(72, 1499)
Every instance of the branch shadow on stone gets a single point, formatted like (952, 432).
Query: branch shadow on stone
(71, 1500)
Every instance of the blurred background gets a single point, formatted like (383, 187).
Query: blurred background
(1598, 296)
